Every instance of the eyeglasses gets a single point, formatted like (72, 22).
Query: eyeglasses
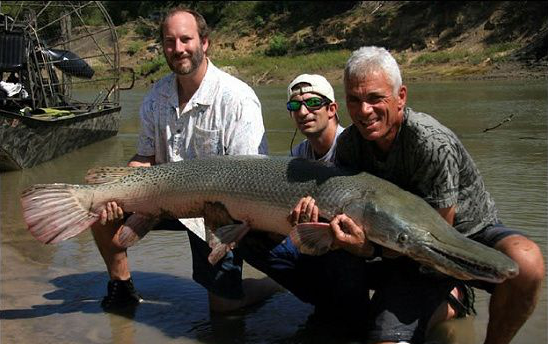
(311, 104)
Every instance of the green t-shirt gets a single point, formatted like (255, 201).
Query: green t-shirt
(428, 160)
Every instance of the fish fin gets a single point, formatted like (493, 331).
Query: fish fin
(102, 175)
(54, 212)
(225, 239)
(312, 238)
(135, 228)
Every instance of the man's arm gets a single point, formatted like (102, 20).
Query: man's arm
(142, 161)
(448, 214)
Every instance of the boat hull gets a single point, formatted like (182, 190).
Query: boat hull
(26, 141)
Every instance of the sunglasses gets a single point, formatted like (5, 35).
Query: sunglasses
(311, 104)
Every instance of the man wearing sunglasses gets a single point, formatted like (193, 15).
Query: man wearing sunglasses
(311, 104)
(334, 282)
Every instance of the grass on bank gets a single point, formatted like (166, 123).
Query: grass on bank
(495, 52)
(258, 68)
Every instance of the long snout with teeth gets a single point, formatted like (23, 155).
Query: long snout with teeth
(454, 254)
(423, 235)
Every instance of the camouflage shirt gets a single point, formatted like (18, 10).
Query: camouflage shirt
(428, 160)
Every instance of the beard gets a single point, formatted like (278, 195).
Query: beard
(184, 69)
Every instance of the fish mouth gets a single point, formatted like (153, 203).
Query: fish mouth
(466, 267)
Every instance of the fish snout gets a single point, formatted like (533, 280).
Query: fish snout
(512, 271)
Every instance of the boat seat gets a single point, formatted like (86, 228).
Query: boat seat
(12, 49)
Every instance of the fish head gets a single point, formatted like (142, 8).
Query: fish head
(407, 224)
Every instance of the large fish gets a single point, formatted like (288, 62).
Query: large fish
(241, 192)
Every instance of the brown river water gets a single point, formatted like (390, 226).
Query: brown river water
(51, 294)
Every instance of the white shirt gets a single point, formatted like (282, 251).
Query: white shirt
(223, 117)
(305, 150)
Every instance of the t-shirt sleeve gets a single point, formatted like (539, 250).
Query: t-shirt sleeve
(437, 171)
(245, 133)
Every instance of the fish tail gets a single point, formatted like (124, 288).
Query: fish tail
(55, 212)
(312, 238)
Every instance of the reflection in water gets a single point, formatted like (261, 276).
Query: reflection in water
(54, 291)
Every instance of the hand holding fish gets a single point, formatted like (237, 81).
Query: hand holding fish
(305, 211)
(111, 212)
(353, 238)
(350, 236)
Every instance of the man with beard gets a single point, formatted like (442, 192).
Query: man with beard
(196, 111)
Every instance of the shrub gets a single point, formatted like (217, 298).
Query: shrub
(258, 22)
(279, 46)
(122, 31)
(134, 47)
(146, 29)
(153, 66)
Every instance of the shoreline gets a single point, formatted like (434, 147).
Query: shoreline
(433, 73)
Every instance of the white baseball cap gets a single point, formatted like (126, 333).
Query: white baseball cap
(318, 84)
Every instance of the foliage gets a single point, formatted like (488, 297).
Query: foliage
(438, 57)
(151, 67)
(134, 47)
(495, 52)
(286, 67)
(124, 11)
(146, 29)
(122, 31)
(91, 16)
(278, 46)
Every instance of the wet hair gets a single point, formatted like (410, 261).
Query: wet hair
(373, 59)
(203, 29)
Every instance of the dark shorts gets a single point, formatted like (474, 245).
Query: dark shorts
(406, 298)
(222, 279)
(490, 236)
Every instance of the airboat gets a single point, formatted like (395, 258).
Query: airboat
(49, 52)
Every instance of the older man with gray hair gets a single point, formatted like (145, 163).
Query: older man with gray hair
(417, 153)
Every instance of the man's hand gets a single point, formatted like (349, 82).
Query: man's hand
(112, 212)
(305, 211)
(350, 236)
(142, 161)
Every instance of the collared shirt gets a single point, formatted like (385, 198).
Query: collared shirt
(223, 117)
(427, 159)
(305, 150)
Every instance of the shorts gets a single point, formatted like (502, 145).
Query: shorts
(223, 279)
(405, 298)
(490, 236)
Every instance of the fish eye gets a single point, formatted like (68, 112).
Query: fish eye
(402, 238)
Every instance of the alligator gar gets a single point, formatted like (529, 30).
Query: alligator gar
(259, 192)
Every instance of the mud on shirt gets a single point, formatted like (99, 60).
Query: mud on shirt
(428, 160)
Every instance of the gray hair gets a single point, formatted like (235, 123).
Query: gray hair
(373, 59)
